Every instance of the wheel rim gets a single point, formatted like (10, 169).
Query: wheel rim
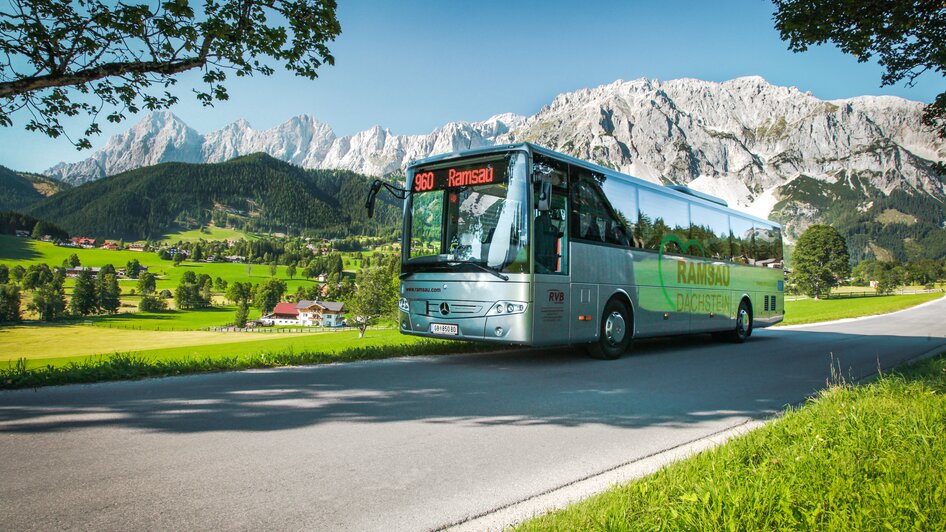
(614, 328)
(742, 322)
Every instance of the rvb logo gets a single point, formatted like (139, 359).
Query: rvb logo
(557, 297)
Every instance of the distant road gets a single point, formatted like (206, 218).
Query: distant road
(403, 444)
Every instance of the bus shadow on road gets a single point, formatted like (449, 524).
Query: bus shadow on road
(665, 382)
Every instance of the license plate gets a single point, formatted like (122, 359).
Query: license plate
(444, 328)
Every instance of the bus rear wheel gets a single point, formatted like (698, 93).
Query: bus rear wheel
(743, 324)
(615, 333)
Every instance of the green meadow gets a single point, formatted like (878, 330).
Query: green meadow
(22, 251)
(208, 233)
(814, 310)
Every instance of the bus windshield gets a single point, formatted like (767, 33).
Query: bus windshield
(468, 216)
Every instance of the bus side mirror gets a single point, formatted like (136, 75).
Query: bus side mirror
(372, 196)
(545, 195)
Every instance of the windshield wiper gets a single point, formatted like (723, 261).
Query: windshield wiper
(486, 269)
(434, 262)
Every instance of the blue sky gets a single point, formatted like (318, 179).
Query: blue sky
(412, 65)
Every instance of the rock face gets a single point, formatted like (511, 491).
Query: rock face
(303, 140)
(158, 138)
(743, 140)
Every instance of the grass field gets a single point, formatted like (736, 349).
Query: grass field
(172, 320)
(812, 310)
(854, 458)
(208, 233)
(61, 345)
(25, 252)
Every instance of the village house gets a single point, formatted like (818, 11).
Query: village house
(321, 313)
(123, 272)
(111, 246)
(136, 247)
(83, 241)
(307, 314)
(72, 273)
(283, 314)
(22, 234)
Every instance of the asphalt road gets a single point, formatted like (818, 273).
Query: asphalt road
(403, 444)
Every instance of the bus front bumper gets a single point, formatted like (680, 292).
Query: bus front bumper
(507, 329)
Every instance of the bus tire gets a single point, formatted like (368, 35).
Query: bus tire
(615, 332)
(743, 323)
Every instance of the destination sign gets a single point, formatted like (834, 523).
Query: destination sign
(486, 173)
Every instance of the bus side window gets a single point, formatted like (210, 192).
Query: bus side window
(743, 238)
(661, 216)
(710, 228)
(593, 216)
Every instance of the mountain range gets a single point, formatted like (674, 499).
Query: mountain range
(865, 163)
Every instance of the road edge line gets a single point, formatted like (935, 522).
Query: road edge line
(565, 495)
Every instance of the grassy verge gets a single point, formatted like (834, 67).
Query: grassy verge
(169, 347)
(124, 366)
(811, 310)
(854, 458)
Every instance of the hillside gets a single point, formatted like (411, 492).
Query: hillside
(253, 193)
(19, 190)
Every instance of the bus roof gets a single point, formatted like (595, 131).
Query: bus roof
(673, 190)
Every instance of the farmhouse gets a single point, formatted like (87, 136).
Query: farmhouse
(307, 314)
(321, 313)
(83, 241)
(72, 273)
(283, 314)
(111, 246)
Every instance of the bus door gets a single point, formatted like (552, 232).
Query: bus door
(552, 292)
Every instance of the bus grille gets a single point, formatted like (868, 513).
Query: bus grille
(434, 308)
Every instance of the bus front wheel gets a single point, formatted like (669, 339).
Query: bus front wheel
(615, 333)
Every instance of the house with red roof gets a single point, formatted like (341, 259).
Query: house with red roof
(283, 314)
(307, 314)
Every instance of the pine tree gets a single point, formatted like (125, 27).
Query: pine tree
(241, 315)
(84, 299)
(9, 303)
(146, 283)
(109, 294)
(133, 269)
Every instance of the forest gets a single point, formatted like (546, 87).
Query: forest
(255, 193)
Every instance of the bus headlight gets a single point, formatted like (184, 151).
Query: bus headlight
(509, 307)
(402, 304)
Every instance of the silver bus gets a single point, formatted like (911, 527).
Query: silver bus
(519, 244)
